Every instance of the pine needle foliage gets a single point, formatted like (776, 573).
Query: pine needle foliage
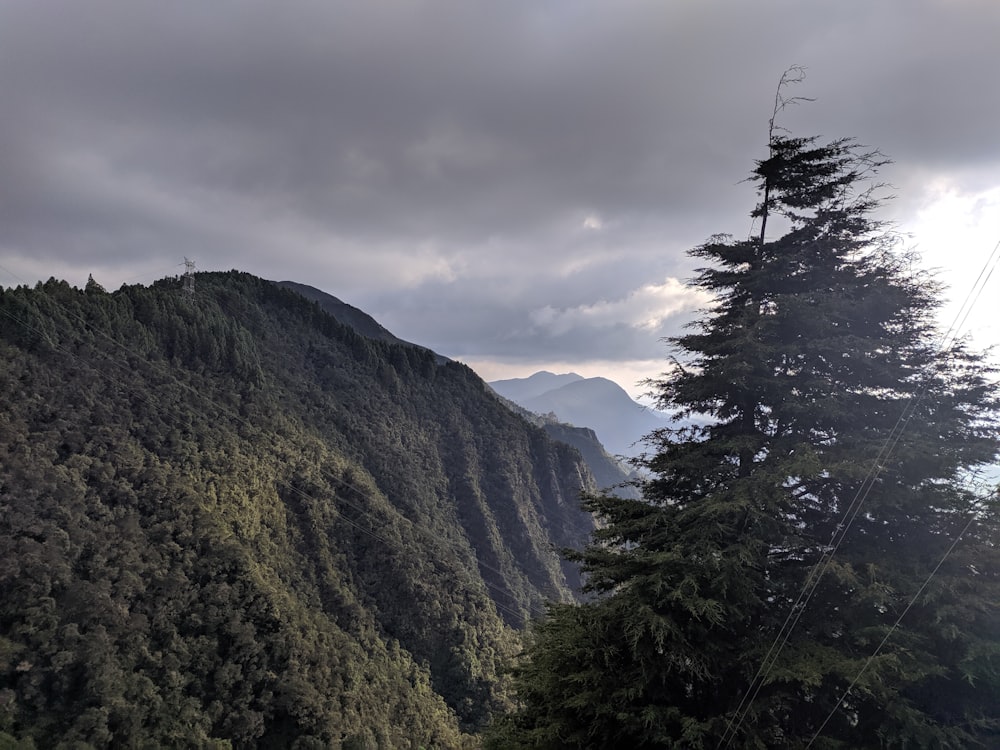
(783, 552)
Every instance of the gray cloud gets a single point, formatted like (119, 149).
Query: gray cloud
(456, 167)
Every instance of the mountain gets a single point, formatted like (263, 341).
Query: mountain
(619, 422)
(227, 519)
(522, 389)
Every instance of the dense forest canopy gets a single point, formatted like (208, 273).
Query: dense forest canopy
(807, 569)
(228, 520)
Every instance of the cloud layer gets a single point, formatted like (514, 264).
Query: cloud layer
(502, 181)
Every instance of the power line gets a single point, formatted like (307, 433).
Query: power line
(819, 569)
(967, 305)
(916, 596)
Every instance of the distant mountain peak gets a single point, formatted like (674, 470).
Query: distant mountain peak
(546, 373)
(518, 389)
(599, 403)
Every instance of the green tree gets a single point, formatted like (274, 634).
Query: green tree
(777, 585)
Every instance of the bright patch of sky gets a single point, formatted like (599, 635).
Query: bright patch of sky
(957, 235)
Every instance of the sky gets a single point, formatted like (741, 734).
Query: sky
(513, 184)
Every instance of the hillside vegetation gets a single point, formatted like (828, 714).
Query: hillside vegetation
(227, 519)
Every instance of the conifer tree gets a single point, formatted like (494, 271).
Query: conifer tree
(809, 568)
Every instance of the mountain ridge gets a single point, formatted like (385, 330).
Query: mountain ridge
(608, 472)
(519, 389)
(350, 315)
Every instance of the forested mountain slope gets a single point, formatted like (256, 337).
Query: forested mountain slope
(611, 474)
(228, 519)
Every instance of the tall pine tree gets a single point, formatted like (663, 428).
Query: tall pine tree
(791, 576)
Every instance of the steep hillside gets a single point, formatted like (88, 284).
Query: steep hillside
(610, 473)
(227, 519)
(607, 471)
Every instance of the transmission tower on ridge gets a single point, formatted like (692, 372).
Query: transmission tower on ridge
(189, 276)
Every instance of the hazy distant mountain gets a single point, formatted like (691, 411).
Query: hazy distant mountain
(598, 403)
(521, 389)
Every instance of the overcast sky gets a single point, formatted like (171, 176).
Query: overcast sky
(513, 184)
